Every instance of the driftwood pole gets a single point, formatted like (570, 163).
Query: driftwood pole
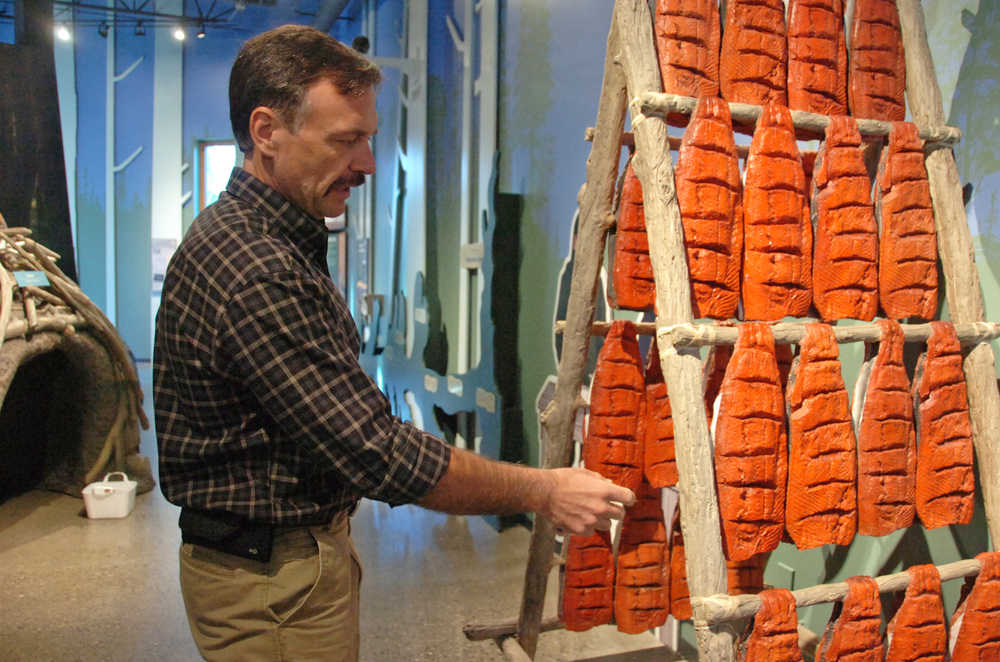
(682, 369)
(962, 289)
(557, 420)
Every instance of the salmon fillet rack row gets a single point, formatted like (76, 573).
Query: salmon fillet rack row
(771, 242)
(916, 630)
(646, 580)
(797, 58)
(793, 460)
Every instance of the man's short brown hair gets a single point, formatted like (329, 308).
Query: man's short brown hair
(275, 68)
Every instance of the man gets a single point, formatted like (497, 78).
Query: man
(269, 432)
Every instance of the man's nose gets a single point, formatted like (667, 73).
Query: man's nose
(364, 160)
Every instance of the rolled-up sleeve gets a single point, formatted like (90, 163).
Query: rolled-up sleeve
(279, 336)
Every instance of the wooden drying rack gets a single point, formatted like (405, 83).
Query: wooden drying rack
(631, 83)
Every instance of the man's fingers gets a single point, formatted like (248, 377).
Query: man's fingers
(623, 495)
(615, 511)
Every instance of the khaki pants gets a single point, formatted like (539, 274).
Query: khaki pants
(301, 605)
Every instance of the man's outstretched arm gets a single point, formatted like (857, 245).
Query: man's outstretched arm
(576, 500)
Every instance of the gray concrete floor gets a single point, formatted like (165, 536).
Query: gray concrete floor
(106, 590)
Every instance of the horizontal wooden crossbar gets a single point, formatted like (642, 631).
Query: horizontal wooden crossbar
(659, 104)
(790, 333)
(484, 631)
(723, 608)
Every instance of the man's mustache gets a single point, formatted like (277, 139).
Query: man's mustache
(356, 179)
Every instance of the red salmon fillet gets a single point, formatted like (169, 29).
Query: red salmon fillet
(917, 630)
(642, 585)
(817, 57)
(680, 594)
(908, 272)
(687, 45)
(877, 73)
(845, 252)
(821, 502)
(660, 459)
(613, 445)
(777, 245)
(747, 576)
(753, 63)
(709, 196)
(775, 635)
(589, 582)
(854, 633)
(945, 492)
(975, 628)
(632, 274)
(887, 455)
(751, 447)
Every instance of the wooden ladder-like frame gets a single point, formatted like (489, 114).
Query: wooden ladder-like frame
(632, 83)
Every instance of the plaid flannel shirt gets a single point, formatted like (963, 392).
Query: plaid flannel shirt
(261, 406)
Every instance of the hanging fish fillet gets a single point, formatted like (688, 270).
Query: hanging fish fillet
(632, 274)
(589, 582)
(945, 484)
(877, 72)
(753, 63)
(777, 249)
(887, 455)
(817, 57)
(613, 446)
(642, 584)
(908, 276)
(845, 273)
(821, 503)
(709, 196)
(747, 576)
(687, 46)
(917, 630)
(660, 459)
(775, 635)
(854, 633)
(751, 453)
(975, 627)
(680, 594)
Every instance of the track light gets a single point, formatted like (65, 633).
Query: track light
(62, 33)
(102, 29)
(201, 31)
(179, 33)
(140, 29)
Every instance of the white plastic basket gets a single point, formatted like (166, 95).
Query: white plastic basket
(108, 498)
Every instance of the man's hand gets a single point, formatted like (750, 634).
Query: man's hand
(582, 501)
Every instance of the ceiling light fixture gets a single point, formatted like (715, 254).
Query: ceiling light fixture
(140, 29)
(201, 31)
(62, 33)
(179, 33)
(102, 29)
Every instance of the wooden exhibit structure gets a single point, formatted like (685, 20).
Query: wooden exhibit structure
(631, 84)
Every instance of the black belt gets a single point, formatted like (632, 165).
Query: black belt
(228, 533)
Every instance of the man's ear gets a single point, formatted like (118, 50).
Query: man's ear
(264, 122)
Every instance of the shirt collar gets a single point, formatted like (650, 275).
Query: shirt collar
(280, 216)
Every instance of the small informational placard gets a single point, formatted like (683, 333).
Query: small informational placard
(486, 400)
(472, 255)
(455, 386)
(430, 383)
(31, 278)
(420, 315)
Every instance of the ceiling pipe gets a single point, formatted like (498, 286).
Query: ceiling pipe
(328, 12)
